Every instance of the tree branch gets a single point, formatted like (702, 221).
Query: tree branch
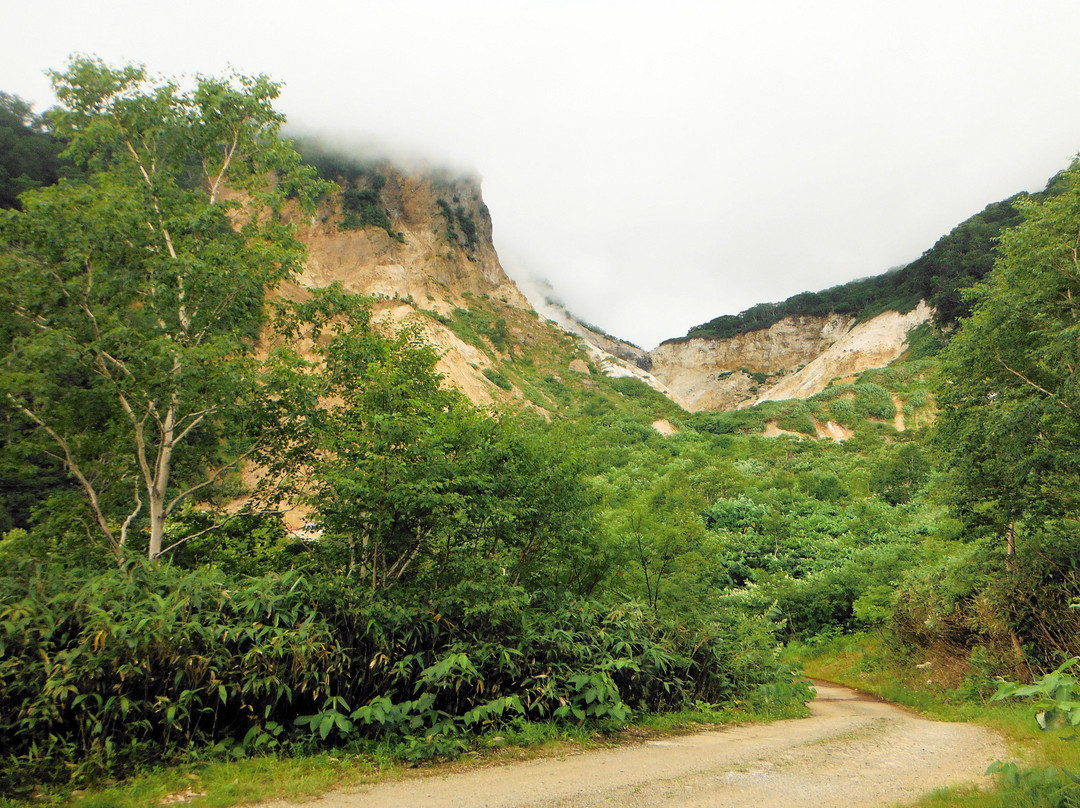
(74, 468)
(146, 176)
(131, 516)
(213, 478)
(403, 562)
(201, 533)
(198, 416)
(1029, 382)
(229, 152)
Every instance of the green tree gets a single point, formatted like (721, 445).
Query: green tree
(897, 478)
(1010, 379)
(29, 152)
(134, 295)
(410, 482)
(373, 439)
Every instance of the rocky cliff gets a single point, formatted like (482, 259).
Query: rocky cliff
(436, 249)
(427, 256)
(794, 358)
(421, 243)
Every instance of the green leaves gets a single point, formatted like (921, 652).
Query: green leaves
(1010, 387)
(135, 293)
(151, 663)
(413, 485)
(1057, 701)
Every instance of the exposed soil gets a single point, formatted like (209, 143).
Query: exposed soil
(870, 344)
(854, 752)
(773, 431)
(898, 419)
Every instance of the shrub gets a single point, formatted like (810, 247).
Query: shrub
(873, 401)
(497, 378)
(103, 672)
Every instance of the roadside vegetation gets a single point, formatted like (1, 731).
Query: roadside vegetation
(478, 584)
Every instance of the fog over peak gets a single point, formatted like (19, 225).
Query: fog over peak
(659, 165)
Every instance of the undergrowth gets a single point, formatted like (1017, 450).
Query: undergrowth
(103, 674)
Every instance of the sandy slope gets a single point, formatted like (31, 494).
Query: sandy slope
(853, 751)
(871, 344)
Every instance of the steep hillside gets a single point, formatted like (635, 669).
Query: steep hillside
(957, 260)
(420, 242)
(794, 348)
(435, 245)
(720, 374)
(868, 345)
(615, 357)
(794, 358)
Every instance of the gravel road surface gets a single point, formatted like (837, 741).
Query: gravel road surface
(853, 752)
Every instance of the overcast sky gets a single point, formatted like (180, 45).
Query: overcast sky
(660, 163)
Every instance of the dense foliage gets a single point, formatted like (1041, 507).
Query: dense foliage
(134, 295)
(455, 576)
(102, 672)
(29, 151)
(1009, 422)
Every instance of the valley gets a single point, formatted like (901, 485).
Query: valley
(294, 472)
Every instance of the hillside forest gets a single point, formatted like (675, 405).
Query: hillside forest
(467, 574)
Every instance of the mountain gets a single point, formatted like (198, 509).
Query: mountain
(420, 242)
(795, 348)
(793, 358)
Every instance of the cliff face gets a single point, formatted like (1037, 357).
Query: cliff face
(873, 344)
(715, 374)
(442, 250)
(795, 358)
(421, 243)
(431, 260)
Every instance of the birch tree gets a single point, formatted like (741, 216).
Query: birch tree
(134, 297)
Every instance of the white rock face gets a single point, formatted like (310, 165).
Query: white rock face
(873, 344)
(798, 355)
(707, 374)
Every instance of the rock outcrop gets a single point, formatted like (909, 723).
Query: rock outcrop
(721, 374)
(795, 358)
(434, 257)
(442, 250)
(872, 344)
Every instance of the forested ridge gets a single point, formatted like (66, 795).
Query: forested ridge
(467, 576)
(959, 259)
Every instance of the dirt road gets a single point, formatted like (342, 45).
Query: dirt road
(853, 751)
